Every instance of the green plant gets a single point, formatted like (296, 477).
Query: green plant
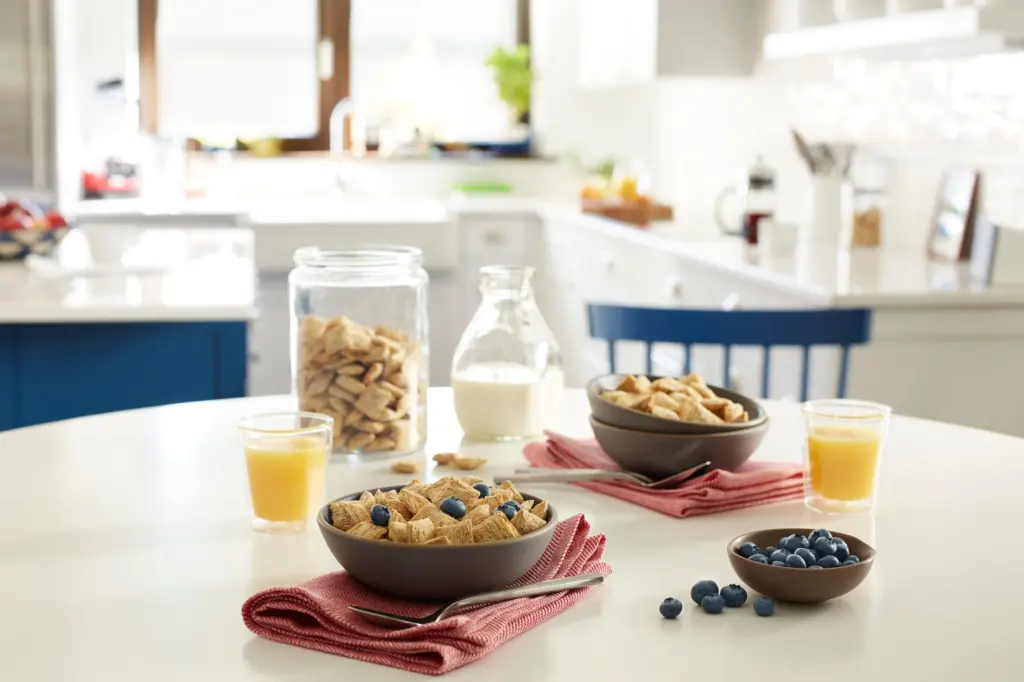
(514, 77)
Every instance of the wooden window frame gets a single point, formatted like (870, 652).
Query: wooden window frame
(335, 26)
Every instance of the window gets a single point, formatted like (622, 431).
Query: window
(275, 68)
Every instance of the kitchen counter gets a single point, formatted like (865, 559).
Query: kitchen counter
(168, 275)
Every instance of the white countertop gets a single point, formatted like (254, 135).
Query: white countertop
(128, 555)
(167, 275)
(859, 277)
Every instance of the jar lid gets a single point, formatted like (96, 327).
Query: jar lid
(365, 257)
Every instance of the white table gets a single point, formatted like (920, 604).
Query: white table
(125, 554)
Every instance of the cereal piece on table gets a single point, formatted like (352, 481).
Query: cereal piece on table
(460, 533)
(479, 514)
(507, 485)
(420, 531)
(438, 540)
(413, 500)
(732, 413)
(540, 509)
(494, 529)
(436, 516)
(346, 514)
(662, 400)
(635, 384)
(366, 529)
(453, 487)
(525, 522)
(445, 458)
(469, 463)
(664, 413)
(398, 531)
(368, 499)
(404, 467)
(667, 385)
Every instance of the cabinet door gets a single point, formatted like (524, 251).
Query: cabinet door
(8, 387)
(270, 362)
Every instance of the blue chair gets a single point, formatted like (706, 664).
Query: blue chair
(728, 328)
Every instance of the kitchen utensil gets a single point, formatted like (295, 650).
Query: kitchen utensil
(540, 475)
(805, 151)
(796, 584)
(435, 572)
(660, 455)
(545, 587)
(756, 194)
(623, 417)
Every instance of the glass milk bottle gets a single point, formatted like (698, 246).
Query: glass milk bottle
(507, 372)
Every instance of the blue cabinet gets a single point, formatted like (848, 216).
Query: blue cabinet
(50, 372)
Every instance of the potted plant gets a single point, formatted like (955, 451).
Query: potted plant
(514, 78)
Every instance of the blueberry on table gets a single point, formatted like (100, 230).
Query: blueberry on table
(764, 607)
(749, 549)
(671, 608)
(482, 489)
(795, 542)
(819, 533)
(508, 510)
(842, 550)
(760, 558)
(713, 603)
(380, 515)
(455, 508)
(852, 558)
(825, 547)
(703, 589)
(780, 564)
(828, 562)
(734, 596)
(779, 555)
(807, 555)
(795, 561)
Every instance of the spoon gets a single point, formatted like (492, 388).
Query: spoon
(539, 475)
(546, 587)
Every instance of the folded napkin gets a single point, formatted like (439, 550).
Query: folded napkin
(753, 484)
(315, 615)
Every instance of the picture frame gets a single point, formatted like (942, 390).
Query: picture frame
(953, 220)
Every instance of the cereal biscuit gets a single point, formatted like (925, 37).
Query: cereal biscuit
(403, 466)
(494, 529)
(438, 540)
(345, 514)
(420, 531)
(733, 412)
(635, 384)
(471, 480)
(412, 500)
(717, 405)
(368, 499)
(664, 401)
(416, 487)
(479, 514)
(469, 463)
(452, 487)
(436, 516)
(525, 522)
(540, 509)
(527, 505)
(498, 497)
(445, 458)
(460, 533)
(365, 529)
(667, 385)
(398, 531)
(664, 412)
(360, 440)
(380, 443)
(507, 485)
(373, 402)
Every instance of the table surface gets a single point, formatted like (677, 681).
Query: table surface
(126, 555)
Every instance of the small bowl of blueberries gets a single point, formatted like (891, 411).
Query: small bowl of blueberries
(800, 564)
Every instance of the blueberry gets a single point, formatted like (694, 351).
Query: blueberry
(782, 542)
(825, 546)
(815, 567)
(734, 596)
(511, 503)
(759, 558)
(508, 510)
(703, 589)
(849, 563)
(763, 606)
(482, 489)
(854, 558)
(828, 562)
(671, 608)
(771, 549)
(781, 564)
(380, 515)
(713, 603)
(454, 507)
(815, 534)
(796, 541)
(748, 549)
(842, 549)
(808, 555)
(795, 561)
(779, 555)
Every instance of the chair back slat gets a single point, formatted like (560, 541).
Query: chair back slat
(844, 368)
(805, 372)
(726, 364)
(766, 368)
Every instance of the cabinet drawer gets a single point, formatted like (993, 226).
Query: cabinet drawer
(487, 240)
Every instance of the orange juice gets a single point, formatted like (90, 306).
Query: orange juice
(286, 476)
(843, 461)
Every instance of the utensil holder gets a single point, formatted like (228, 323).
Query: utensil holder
(829, 211)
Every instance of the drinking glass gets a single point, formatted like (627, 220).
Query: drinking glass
(286, 457)
(842, 452)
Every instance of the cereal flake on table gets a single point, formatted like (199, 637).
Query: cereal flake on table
(686, 399)
(404, 467)
(416, 516)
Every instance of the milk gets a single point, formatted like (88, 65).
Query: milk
(506, 401)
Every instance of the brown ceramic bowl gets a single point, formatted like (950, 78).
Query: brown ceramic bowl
(799, 584)
(615, 415)
(435, 572)
(660, 455)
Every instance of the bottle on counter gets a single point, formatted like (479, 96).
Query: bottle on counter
(507, 372)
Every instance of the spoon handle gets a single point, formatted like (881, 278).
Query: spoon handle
(571, 476)
(532, 590)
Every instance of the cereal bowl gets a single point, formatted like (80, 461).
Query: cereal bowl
(434, 572)
(612, 414)
(796, 584)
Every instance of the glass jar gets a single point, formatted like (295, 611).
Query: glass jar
(507, 373)
(359, 344)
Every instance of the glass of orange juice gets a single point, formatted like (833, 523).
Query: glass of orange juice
(286, 457)
(842, 454)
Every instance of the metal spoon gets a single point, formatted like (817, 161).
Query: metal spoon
(546, 587)
(539, 475)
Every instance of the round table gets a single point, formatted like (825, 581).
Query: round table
(126, 553)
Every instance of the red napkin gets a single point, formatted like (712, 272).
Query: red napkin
(753, 484)
(315, 615)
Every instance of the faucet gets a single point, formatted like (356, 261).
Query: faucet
(336, 127)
